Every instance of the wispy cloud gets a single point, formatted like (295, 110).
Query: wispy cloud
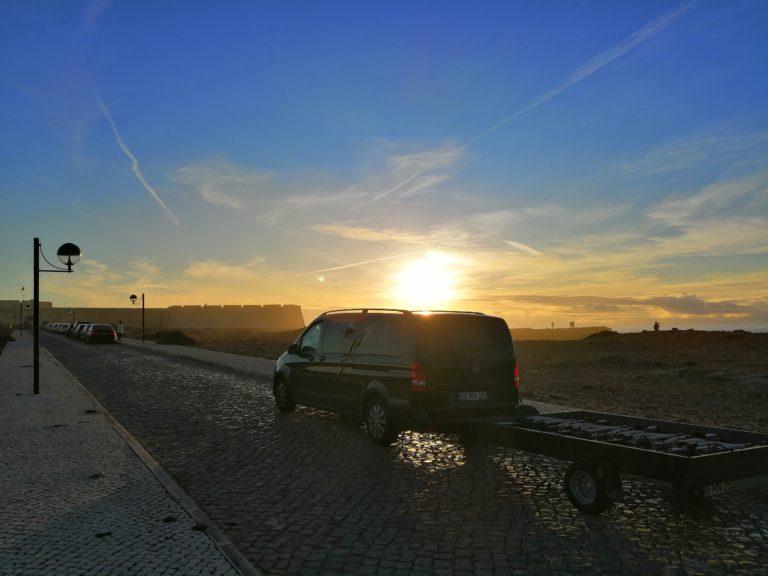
(369, 234)
(728, 197)
(135, 166)
(520, 247)
(581, 73)
(267, 196)
(94, 10)
(679, 305)
(683, 155)
(250, 271)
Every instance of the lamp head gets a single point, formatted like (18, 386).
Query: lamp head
(69, 254)
(132, 298)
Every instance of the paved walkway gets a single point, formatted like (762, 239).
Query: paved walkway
(75, 498)
(245, 364)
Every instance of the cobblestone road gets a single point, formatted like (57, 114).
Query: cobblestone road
(307, 493)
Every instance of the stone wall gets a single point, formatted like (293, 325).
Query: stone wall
(267, 318)
(270, 317)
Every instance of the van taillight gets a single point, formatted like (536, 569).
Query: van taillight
(418, 377)
(516, 374)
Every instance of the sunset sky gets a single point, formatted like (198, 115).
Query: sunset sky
(601, 162)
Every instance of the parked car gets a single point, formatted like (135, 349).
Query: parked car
(80, 331)
(63, 328)
(75, 328)
(100, 333)
(399, 369)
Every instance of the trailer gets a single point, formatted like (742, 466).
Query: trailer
(699, 461)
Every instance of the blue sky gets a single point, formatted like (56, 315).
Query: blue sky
(271, 130)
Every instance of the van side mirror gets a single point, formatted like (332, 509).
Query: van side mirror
(308, 352)
(293, 349)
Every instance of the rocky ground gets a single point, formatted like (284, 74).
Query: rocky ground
(713, 378)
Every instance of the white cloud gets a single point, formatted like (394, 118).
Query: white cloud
(520, 247)
(267, 196)
(684, 155)
(715, 201)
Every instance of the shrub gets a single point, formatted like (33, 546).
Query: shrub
(174, 337)
(601, 334)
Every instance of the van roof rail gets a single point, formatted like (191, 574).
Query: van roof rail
(366, 310)
(448, 312)
(399, 311)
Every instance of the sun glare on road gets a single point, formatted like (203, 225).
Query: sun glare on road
(429, 282)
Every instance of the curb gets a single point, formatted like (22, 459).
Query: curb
(172, 354)
(239, 562)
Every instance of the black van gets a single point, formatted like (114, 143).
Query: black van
(400, 369)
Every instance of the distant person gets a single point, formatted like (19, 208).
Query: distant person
(553, 325)
(120, 329)
(573, 324)
(656, 326)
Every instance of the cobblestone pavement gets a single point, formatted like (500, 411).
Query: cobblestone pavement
(307, 493)
(74, 498)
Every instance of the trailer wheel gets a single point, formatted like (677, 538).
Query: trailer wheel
(591, 489)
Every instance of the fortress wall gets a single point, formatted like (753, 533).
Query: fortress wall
(249, 317)
(9, 311)
(270, 317)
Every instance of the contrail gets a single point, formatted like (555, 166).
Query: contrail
(581, 73)
(354, 264)
(135, 163)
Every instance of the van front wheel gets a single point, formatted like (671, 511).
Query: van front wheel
(378, 422)
(283, 396)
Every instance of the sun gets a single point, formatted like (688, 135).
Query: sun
(429, 282)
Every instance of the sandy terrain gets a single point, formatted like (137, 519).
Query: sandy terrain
(714, 378)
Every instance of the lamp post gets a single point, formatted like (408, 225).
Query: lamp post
(68, 254)
(21, 313)
(133, 299)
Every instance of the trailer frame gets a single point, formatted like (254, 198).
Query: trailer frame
(693, 476)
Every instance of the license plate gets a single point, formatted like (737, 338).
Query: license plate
(472, 396)
(718, 488)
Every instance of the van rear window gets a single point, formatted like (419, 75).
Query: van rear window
(462, 336)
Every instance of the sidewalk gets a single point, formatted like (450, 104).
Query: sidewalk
(76, 499)
(245, 364)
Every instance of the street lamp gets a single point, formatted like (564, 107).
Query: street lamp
(133, 299)
(69, 254)
(21, 313)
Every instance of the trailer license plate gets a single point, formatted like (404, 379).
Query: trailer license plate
(472, 396)
(718, 488)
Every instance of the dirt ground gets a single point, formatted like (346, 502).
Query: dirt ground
(712, 378)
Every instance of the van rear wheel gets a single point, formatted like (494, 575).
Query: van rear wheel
(378, 422)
